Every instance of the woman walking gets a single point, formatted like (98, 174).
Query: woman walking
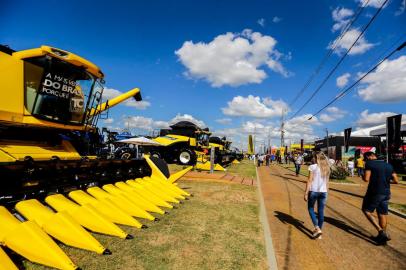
(316, 190)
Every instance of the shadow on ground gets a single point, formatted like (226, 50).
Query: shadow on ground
(298, 224)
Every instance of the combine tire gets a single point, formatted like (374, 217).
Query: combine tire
(186, 157)
(155, 154)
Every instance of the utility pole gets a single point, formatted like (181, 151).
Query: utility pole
(328, 144)
(283, 128)
(269, 138)
(254, 140)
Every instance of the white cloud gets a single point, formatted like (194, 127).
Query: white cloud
(109, 93)
(387, 83)
(232, 59)
(254, 107)
(261, 22)
(372, 3)
(341, 17)
(361, 46)
(343, 80)
(108, 121)
(143, 123)
(161, 124)
(367, 119)
(139, 122)
(295, 129)
(276, 19)
(332, 114)
(187, 117)
(401, 9)
(224, 121)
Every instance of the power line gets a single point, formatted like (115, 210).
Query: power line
(360, 79)
(329, 53)
(341, 60)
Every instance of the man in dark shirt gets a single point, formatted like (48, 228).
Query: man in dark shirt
(378, 173)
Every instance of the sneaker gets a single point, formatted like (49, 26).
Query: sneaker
(382, 238)
(316, 232)
(319, 237)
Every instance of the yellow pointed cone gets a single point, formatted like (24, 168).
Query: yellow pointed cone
(28, 240)
(218, 167)
(146, 194)
(206, 166)
(135, 198)
(157, 192)
(5, 262)
(155, 170)
(106, 208)
(133, 192)
(59, 225)
(121, 202)
(235, 161)
(175, 176)
(164, 188)
(170, 186)
(85, 215)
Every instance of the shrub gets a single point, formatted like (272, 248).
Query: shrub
(338, 173)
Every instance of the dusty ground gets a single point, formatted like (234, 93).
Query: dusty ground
(346, 242)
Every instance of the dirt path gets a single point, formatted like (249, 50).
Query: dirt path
(346, 242)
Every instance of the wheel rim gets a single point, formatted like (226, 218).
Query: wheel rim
(126, 156)
(156, 155)
(184, 157)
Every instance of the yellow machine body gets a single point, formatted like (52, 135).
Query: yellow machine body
(172, 139)
(40, 156)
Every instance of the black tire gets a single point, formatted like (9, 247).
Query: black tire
(186, 157)
(155, 154)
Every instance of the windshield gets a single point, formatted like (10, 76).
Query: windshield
(203, 139)
(56, 90)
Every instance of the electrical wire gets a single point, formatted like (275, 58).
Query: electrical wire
(329, 53)
(340, 61)
(343, 93)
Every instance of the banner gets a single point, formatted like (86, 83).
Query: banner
(393, 138)
(250, 145)
(347, 135)
(301, 146)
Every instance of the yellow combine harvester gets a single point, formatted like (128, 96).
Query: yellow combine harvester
(185, 144)
(52, 184)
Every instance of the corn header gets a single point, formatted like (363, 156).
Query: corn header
(52, 182)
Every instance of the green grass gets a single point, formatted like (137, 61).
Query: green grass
(398, 206)
(245, 168)
(305, 172)
(218, 228)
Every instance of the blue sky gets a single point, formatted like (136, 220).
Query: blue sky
(234, 83)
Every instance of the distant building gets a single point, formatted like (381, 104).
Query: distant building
(357, 146)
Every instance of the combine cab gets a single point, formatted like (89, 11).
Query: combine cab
(50, 104)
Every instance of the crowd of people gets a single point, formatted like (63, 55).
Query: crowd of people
(377, 173)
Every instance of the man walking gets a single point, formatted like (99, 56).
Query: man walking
(378, 173)
(298, 163)
(360, 166)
